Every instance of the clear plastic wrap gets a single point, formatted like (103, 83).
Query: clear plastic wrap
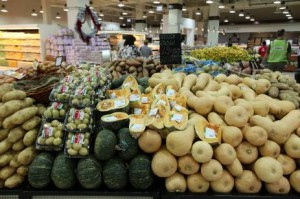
(56, 110)
(79, 120)
(83, 96)
(60, 93)
(51, 136)
(77, 144)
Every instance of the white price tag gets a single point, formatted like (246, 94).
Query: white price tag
(177, 118)
(170, 92)
(128, 84)
(134, 97)
(209, 133)
(153, 111)
(112, 96)
(137, 111)
(110, 118)
(144, 100)
(178, 108)
(137, 127)
(119, 103)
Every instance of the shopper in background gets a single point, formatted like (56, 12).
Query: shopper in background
(146, 51)
(278, 53)
(129, 50)
(298, 53)
(263, 49)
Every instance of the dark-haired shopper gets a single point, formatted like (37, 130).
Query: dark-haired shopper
(278, 53)
(129, 50)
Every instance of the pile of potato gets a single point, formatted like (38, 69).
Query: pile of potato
(282, 87)
(138, 67)
(236, 137)
(19, 125)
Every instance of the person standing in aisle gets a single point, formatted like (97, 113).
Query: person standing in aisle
(278, 53)
(129, 50)
(263, 49)
(146, 51)
(298, 53)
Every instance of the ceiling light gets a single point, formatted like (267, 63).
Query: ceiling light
(57, 16)
(209, 1)
(285, 12)
(256, 22)
(121, 17)
(290, 17)
(198, 12)
(3, 9)
(183, 7)
(252, 19)
(156, 2)
(128, 20)
(34, 14)
(282, 7)
(144, 16)
(123, 24)
(101, 14)
(221, 6)
(120, 4)
(99, 19)
(4, 0)
(151, 11)
(91, 5)
(277, 2)
(41, 10)
(247, 16)
(226, 20)
(202, 29)
(241, 14)
(232, 11)
(124, 12)
(66, 8)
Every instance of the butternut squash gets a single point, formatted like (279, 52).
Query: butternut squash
(233, 79)
(197, 184)
(202, 151)
(150, 141)
(201, 82)
(232, 135)
(212, 86)
(176, 183)
(247, 93)
(223, 91)
(163, 163)
(263, 122)
(212, 170)
(202, 105)
(179, 78)
(236, 116)
(214, 118)
(273, 103)
(224, 185)
(235, 91)
(222, 104)
(220, 78)
(225, 154)
(188, 165)
(236, 168)
(179, 143)
(189, 81)
(260, 107)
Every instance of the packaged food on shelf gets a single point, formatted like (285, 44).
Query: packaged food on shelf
(57, 110)
(79, 120)
(77, 144)
(51, 136)
(83, 96)
(60, 93)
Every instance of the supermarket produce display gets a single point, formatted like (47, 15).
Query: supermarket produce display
(137, 125)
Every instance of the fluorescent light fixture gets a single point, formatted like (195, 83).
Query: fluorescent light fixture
(159, 8)
(41, 10)
(202, 29)
(282, 7)
(247, 16)
(232, 11)
(156, 2)
(57, 16)
(198, 12)
(209, 1)
(277, 2)
(101, 14)
(34, 14)
(123, 24)
(285, 12)
(124, 12)
(128, 20)
(256, 22)
(99, 19)
(221, 6)
(3, 0)
(290, 17)
(183, 7)
(144, 16)
(3, 9)
(226, 20)
(241, 14)
(121, 17)
(66, 8)
(120, 4)
(151, 11)
(252, 19)
(91, 5)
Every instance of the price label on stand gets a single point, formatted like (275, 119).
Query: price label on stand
(59, 60)
(170, 48)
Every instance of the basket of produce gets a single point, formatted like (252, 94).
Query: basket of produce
(38, 89)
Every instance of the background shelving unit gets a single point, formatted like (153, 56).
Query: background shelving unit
(21, 44)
